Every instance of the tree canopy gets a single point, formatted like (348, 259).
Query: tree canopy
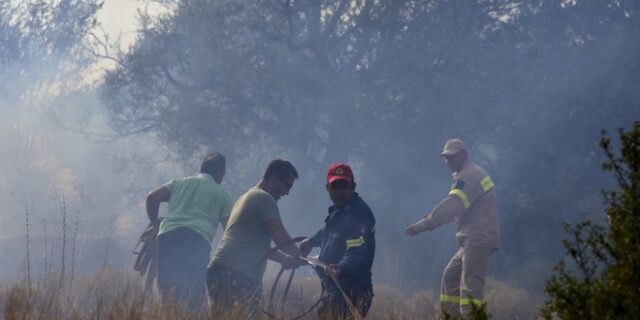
(39, 41)
(383, 84)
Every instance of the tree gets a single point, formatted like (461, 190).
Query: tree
(40, 42)
(321, 76)
(383, 84)
(607, 283)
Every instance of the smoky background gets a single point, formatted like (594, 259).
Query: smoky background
(88, 127)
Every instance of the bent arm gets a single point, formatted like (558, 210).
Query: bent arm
(278, 256)
(280, 237)
(360, 245)
(154, 198)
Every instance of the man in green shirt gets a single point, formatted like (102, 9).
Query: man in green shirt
(234, 276)
(196, 205)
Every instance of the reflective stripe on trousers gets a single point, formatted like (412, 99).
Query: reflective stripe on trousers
(463, 280)
(456, 300)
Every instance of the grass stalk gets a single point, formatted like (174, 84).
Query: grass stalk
(63, 209)
(28, 245)
(74, 248)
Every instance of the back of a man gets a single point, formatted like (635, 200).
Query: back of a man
(196, 205)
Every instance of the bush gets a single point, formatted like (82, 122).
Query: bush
(605, 283)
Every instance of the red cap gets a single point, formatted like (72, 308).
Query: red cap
(339, 171)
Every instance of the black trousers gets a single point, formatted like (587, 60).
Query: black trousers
(183, 255)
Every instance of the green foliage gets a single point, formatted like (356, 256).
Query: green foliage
(607, 283)
(479, 312)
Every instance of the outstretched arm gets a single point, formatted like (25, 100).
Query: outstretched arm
(445, 212)
(309, 243)
(305, 247)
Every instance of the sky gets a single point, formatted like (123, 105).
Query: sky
(118, 17)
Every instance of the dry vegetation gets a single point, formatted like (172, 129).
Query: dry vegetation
(114, 294)
(118, 294)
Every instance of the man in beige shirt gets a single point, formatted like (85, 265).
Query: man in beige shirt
(472, 205)
(234, 275)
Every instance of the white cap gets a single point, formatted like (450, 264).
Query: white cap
(452, 147)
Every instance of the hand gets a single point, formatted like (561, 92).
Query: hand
(305, 247)
(332, 269)
(291, 262)
(412, 229)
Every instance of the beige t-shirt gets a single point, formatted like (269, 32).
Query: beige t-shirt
(247, 240)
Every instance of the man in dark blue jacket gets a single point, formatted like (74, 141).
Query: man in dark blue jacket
(347, 245)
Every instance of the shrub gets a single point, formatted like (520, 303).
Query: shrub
(606, 281)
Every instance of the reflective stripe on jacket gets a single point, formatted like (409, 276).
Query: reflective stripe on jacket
(477, 218)
(348, 239)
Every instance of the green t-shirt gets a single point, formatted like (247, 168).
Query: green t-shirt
(247, 239)
(196, 202)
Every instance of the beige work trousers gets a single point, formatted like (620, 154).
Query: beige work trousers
(463, 281)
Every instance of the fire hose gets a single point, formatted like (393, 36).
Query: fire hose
(313, 263)
(146, 251)
(146, 262)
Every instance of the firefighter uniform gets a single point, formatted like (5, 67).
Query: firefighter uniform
(348, 240)
(472, 205)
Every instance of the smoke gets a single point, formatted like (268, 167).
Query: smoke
(527, 87)
(56, 147)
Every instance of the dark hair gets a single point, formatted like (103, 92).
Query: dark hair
(214, 162)
(281, 168)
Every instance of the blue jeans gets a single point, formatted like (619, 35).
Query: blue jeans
(182, 264)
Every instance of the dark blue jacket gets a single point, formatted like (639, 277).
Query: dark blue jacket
(348, 239)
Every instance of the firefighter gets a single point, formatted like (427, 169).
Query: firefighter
(347, 245)
(471, 204)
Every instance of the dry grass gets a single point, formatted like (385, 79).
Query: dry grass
(508, 302)
(389, 303)
(120, 295)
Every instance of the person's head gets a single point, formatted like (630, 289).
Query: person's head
(215, 165)
(455, 154)
(278, 178)
(340, 184)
